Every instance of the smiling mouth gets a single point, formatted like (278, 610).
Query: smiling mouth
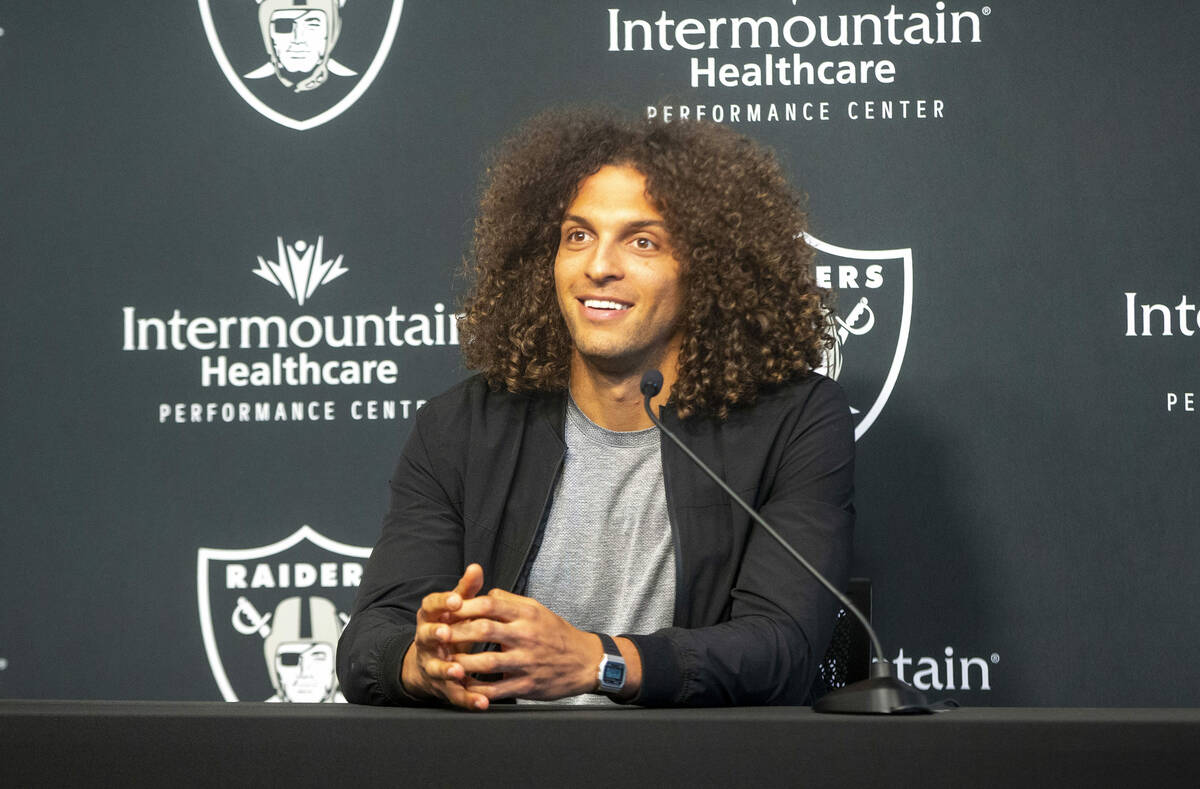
(604, 304)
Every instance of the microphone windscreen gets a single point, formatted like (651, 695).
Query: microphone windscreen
(652, 382)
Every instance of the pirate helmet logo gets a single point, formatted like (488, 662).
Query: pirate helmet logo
(299, 37)
(302, 84)
(300, 659)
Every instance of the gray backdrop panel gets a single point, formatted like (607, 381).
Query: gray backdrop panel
(1027, 492)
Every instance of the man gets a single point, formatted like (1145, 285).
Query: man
(604, 249)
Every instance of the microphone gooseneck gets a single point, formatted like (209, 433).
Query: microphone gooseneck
(882, 693)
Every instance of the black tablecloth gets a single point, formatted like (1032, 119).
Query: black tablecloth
(255, 744)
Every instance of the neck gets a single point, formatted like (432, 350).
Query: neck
(614, 400)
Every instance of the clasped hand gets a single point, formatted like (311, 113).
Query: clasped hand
(540, 656)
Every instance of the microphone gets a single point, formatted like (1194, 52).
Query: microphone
(882, 693)
(652, 382)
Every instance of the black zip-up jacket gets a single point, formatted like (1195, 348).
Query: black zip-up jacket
(474, 483)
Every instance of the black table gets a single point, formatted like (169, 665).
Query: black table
(255, 744)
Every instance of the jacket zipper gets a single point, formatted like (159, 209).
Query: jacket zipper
(522, 578)
(671, 519)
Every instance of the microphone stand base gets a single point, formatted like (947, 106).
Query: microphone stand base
(884, 695)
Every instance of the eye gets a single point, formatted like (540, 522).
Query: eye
(575, 236)
(644, 244)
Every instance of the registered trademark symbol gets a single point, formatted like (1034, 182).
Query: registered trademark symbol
(995, 658)
(987, 10)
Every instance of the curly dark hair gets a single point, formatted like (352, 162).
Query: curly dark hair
(753, 315)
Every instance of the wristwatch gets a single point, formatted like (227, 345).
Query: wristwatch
(611, 674)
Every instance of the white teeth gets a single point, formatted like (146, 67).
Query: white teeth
(598, 304)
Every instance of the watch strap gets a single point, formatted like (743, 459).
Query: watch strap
(612, 657)
(609, 644)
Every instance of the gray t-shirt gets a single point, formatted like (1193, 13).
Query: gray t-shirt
(607, 558)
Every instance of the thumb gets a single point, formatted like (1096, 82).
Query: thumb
(471, 581)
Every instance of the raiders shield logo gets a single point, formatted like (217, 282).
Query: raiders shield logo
(300, 62)
(271, 616)
(874, 299)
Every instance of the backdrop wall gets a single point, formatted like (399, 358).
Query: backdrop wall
(228, 289)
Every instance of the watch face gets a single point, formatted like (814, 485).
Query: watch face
(614, 673)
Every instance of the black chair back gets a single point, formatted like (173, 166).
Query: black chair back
(848, 658)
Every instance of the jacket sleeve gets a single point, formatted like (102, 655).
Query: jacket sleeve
(781, 618)
(419, 551)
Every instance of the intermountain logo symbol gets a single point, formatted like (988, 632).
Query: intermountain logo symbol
(301, 84)
(876, 287)
(300, 269)
(271, 616)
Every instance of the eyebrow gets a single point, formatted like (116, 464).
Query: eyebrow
(635, 225)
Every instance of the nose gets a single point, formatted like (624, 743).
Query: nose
(605, 263)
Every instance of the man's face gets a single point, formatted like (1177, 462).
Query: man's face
(298, 37)
(617, 279)
(305, 670)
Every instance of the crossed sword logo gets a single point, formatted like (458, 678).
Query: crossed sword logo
(860, 321)
(247, 620)
(845, 327)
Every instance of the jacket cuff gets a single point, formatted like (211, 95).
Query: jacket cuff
(391, 661)
(663, 679)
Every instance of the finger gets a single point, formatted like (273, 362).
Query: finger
(438, 604)
(471, 582)
(439, 639)
(509, 687)
(434, 605)
(492, 662)
(459, 696)
(447, 670)
(422, 618)
(501, 609)
(483, 631)
(501, 594)
(432, 635)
